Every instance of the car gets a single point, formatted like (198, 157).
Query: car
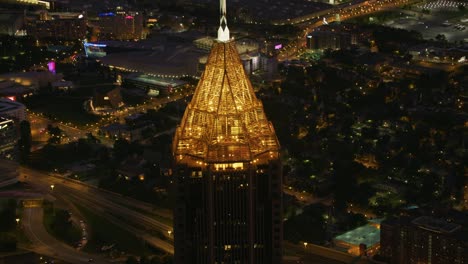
(90, 260)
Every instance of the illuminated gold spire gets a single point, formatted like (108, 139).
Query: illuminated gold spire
(224, 122)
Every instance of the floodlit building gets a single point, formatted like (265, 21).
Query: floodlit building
(32, 80)
(227, 169)
(42, 3)
(363, 240)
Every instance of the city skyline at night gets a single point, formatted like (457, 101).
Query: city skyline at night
(241, 132)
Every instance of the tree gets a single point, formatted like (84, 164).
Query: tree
(441, 38)
(55, 134)
(121, 149)
(7, 242)
(92, 139)
(312, 217)
(167, 259)
(145, 260)
(7, 216)
(25, 140)
(131, 260)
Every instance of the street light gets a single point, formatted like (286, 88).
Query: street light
(305, 244)
(17, 221)
(52, 187)
(169, 232)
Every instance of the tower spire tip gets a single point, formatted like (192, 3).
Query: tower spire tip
(223, 30)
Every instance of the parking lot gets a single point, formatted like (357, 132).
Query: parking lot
(453, 24)
(435, 17)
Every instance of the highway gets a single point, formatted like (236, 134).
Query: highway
(134, 216)
(347, 11)
(47, 245)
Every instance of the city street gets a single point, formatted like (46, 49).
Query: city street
(47, 245)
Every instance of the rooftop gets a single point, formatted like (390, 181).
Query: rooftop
(367, 234)
(436, 224)
(9, 105)
(225, 122)
(155, 80)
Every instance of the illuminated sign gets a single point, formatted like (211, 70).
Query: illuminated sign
(51, 66)
(106, 14)
(279, 46)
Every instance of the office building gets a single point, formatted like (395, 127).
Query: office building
(227, 169)
(424, 239)
(119, 25)
(57, 26)
(330, 39)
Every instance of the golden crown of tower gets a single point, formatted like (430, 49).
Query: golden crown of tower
(224, 122)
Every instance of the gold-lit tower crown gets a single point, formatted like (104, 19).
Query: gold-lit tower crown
(224, 122)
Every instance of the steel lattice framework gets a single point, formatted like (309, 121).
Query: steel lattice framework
(224, 122)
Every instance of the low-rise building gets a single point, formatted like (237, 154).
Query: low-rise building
(12, 109)
(107, 98)
(364, 240)
(154, 86)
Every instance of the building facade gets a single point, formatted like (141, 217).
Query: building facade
(423, 239)
(8, 138)
(61, 26)
(330, 40)
(120, 25)
(227, 170)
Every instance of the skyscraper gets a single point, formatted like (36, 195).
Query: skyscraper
(227, 168)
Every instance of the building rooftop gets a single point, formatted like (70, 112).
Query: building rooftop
(225, 122)
(368, 235)
(155, 80)
(8, 105)
(436, 224)
(173, 62)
